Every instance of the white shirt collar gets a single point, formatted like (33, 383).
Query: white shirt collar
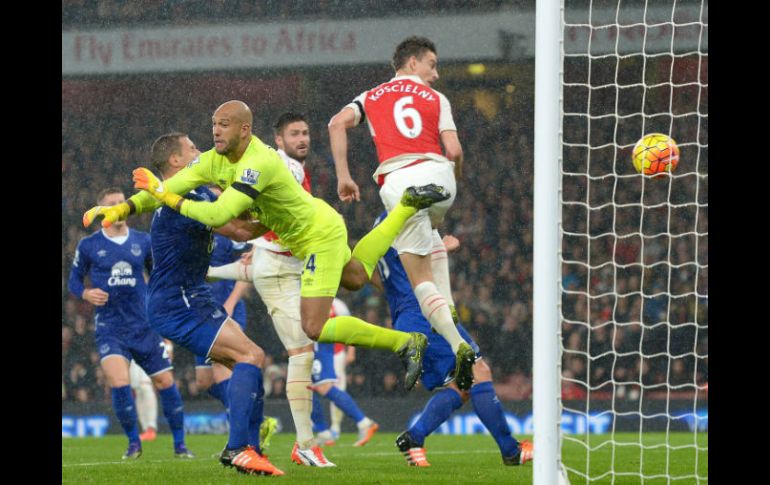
(412, 77)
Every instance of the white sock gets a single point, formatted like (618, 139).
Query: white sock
(234, 271)
(435, 308)
(146, 405)
(364, 423)
(300, 397)
(439, 262)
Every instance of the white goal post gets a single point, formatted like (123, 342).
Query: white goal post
(620, 309)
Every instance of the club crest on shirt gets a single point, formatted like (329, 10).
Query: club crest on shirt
(101, 253)
(250, 176)
(104, 349)
(136, 250)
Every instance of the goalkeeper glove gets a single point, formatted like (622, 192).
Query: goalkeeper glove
(111, 213)
(146, 180)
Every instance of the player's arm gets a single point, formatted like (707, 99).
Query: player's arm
(239, 290)
(448, 134)
(453, 149)
(347, 118)
(182, 182)
(81, 265)
(242, 230)
(234, 200)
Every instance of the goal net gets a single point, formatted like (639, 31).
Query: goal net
(634, 249)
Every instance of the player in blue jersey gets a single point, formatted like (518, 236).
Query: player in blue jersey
(438, 372)
(213, 377)
(184, 310)
(114, 259)
(325, 384)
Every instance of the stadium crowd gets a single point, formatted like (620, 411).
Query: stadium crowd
(493, 217)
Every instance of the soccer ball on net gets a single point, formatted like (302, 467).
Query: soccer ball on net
(655, 154)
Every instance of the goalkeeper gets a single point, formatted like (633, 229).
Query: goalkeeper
(255, 180)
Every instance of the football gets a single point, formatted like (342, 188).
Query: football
(655, 154)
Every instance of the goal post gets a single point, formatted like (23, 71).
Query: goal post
(620, 310)
(546, 363)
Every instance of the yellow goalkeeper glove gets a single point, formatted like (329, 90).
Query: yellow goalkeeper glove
(111, 213)
(146, 180)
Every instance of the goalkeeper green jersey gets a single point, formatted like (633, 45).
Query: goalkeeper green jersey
(259, 182)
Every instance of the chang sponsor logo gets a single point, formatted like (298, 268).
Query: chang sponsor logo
(122, 275)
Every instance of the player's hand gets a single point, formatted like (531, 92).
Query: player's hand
(111, 213)
(450, 242)
(247, 257)
(147, 181)
(96, 296)
(347, 190)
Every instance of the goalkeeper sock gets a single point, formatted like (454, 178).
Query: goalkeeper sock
(376, 242)
(241, 395)
(343, 401)
(490, 412)
(171, 401)
(354, 331)
(438, 410)
(125, 410)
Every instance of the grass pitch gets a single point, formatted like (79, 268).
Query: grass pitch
(455, 459)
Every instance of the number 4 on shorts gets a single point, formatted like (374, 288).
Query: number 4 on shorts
(310, 263)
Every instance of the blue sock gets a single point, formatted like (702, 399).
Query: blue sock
(125, 410)
(241, 395)
(490, 412)
(218, 390)
(257, 414)
(438, 409)
(346, 403)
(317, 415)
(171, 402)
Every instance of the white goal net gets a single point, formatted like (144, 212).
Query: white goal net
(634, 249)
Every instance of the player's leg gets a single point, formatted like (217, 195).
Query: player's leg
(324, 379)
(438, 367)
(277, 280)
(415, 244)
(335, 413)
(320, 281)
(235, 350)
(373, 246)
(490, 412)
(146, 401)
(439, 261)
(114, 363)
(152, 356)
(204, 379)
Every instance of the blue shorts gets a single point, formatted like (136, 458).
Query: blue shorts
(190, 320)
(323, 365)
(439, 361)
(239, 315)
(146, 349)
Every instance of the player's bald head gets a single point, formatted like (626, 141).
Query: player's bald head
(236, 111)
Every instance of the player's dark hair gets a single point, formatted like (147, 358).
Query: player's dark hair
(411, 46)
(109, 190)
(286, 119)
(162, 149)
